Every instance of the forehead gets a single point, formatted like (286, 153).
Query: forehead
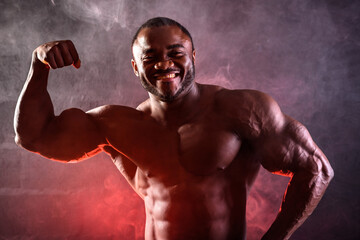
(160, 37)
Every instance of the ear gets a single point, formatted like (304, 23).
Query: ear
(193, 55)
(134, 66)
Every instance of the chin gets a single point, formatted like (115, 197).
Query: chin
(170, 96)
(167, 97)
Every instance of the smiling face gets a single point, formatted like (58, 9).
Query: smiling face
(164, 62)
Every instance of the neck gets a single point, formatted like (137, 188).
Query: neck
(179, 110)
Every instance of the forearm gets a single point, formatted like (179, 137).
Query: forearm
(286, 148)
(34, 107)
(302, 196)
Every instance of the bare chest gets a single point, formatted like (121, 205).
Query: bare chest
(207, 146)
(200, 148)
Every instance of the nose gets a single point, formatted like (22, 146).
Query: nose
(164, 64)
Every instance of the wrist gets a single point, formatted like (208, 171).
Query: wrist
(37, 63)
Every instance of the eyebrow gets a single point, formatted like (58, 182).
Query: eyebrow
(150, 50)
(178, 45)
(175, 46)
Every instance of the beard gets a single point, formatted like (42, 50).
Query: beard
(168, 96)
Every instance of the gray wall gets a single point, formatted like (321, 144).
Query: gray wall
(304, 53)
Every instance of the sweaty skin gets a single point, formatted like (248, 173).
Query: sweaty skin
(190, 151)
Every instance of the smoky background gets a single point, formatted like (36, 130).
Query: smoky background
(303, 53)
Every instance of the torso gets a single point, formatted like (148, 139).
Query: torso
(193, 178)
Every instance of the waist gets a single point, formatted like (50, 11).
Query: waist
(220, 229)
(190, 218)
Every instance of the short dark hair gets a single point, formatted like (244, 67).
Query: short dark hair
(159, 22)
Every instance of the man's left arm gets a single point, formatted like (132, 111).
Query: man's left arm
(287, 148)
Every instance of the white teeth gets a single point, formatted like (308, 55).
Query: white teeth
(171, 75)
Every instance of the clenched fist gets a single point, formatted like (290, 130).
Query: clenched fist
(58, 54)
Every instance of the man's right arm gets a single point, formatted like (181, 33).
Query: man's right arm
(73, 135)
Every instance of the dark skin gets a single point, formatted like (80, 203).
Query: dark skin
(191, 151)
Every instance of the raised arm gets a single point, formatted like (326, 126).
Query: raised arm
(287, 148)
(73, 135)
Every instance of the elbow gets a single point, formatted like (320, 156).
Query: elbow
(19, 141)
(326, 172)
(320, 169)
(21, 138)
(329, 173)
(28, 145)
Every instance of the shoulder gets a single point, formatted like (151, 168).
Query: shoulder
(245, 96)
(114, 113)
(254, 113)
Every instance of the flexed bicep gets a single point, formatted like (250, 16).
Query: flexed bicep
(71, 136)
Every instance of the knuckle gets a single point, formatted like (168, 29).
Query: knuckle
(69, 42)
(57, 54)
(68, 61)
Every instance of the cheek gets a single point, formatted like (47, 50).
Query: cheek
(188, 62)
(185, 64)
(146, 73)
(142, 69)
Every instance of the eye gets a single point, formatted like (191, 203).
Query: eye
(176, 54)
(147, 58)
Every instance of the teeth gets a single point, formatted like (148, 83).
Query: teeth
(171, 75)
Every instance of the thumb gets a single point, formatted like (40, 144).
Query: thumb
(77, 64)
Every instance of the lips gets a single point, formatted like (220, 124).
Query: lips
(171, 75)
(167, 76)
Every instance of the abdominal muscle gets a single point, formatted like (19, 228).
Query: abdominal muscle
(202, 208)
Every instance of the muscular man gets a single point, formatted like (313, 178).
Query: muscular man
(190, 151)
